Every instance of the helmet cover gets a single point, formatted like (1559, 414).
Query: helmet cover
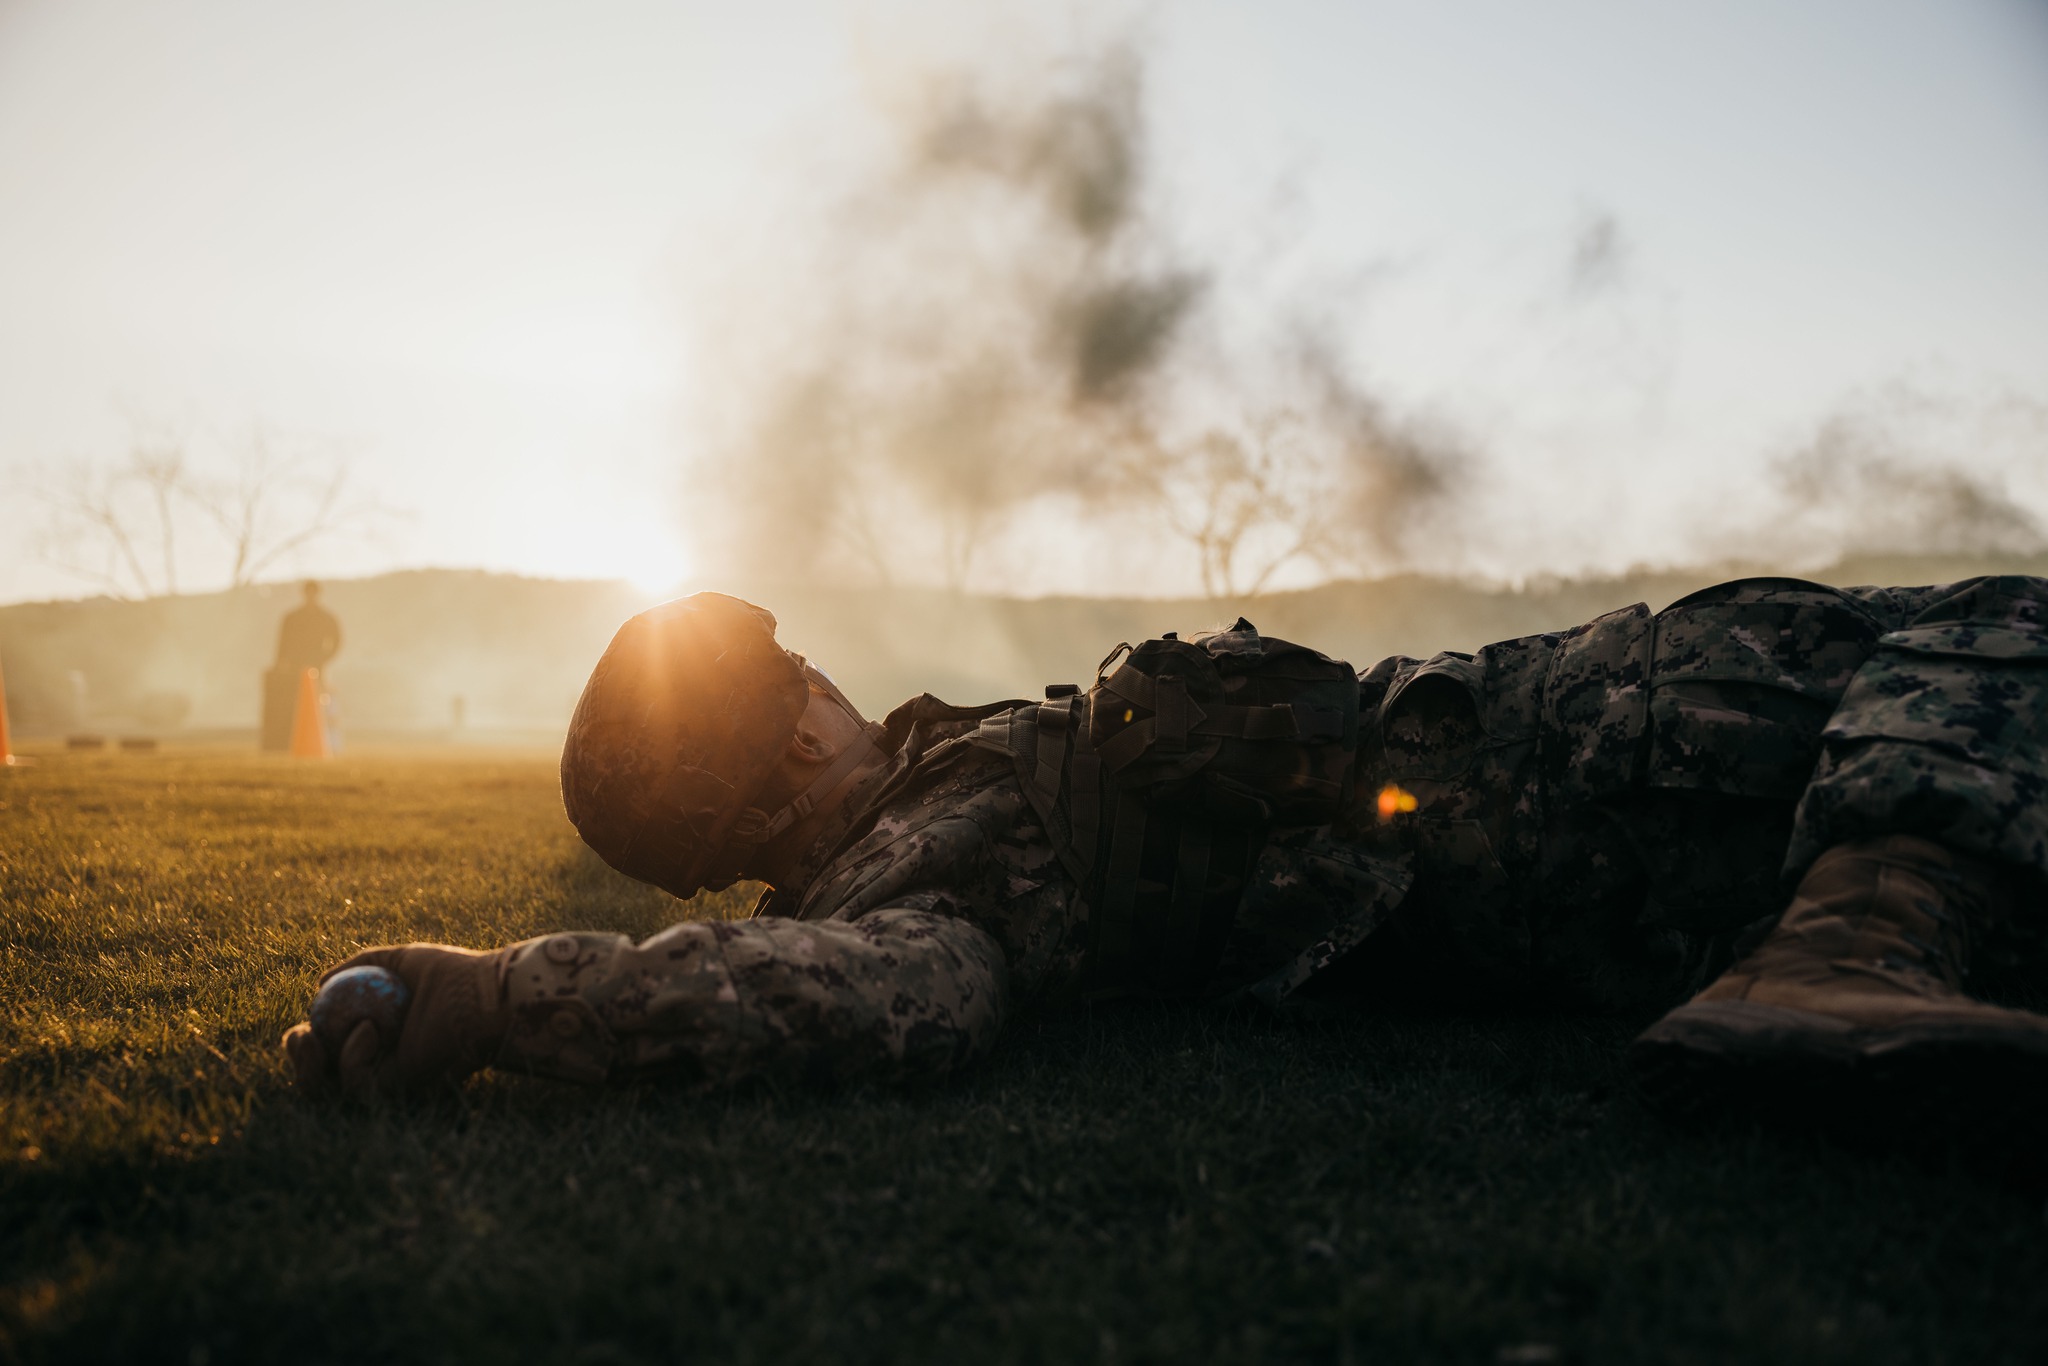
(682, 721)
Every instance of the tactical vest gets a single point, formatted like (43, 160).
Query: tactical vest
(1158, 787)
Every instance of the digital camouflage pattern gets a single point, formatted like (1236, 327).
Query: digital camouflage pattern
(904, 953)
(902, 956)
(901, 992)
(1942, 733)
(1602, 813)
(1598, 816)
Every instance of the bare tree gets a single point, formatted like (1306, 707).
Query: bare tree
(158, 468)
(994, 321)
(1241, 501)
(117, 528)
(129, 528)
(276, 505)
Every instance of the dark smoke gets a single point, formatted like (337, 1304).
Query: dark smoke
(1880, 476)
(1082, 152)
(1119, 331)
(1599, 256)
(1393, 476)
(993, 323)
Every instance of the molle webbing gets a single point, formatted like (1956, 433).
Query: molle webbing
(1177, 717)
(1161, 883)
(1157, 794)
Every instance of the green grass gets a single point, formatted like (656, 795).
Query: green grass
(1115, 1185)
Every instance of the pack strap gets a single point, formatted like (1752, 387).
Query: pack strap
(1049, 745)
(1055, 719)
(1084, 807)
(755, 826)
(1181, 940)
(1114, 937)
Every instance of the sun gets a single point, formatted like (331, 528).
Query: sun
(651, 557)
(656, 565)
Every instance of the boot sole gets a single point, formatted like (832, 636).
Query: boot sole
(1929, 1081)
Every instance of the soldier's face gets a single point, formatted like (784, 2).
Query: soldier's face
(826, 726)
(824, 731)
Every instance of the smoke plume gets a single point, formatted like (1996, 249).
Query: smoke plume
(1880, 475)
(991, 328)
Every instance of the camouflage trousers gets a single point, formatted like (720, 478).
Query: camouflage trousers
(1604, 814)
(1943, 733)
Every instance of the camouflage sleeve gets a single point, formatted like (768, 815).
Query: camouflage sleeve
(1943, 733)
(898, 993)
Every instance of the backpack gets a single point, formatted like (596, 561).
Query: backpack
(1159, 786)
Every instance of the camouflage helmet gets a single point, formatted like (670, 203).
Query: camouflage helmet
(684, 718)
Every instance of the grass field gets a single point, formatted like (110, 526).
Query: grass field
(1117, 1185)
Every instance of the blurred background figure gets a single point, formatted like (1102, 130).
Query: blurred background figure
(307, 638)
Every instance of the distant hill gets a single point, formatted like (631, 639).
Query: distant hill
(516, 650)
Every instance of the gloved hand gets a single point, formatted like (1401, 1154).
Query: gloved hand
(455, 1024)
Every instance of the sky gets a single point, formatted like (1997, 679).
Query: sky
(1629, 254)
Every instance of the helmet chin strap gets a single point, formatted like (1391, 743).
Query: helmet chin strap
(757, 827)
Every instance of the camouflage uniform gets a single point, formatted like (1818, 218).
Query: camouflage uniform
(1598, 814)
(1601, 814)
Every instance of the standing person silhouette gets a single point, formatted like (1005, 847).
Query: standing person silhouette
(309, 635)
(307, 638)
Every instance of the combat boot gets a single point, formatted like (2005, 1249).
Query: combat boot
(1851, 1012)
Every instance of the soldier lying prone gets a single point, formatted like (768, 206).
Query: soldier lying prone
(1803, 821)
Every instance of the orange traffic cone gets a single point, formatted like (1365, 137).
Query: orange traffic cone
(309, 736)
(6, 753)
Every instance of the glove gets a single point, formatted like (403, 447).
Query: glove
(455, 1025)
